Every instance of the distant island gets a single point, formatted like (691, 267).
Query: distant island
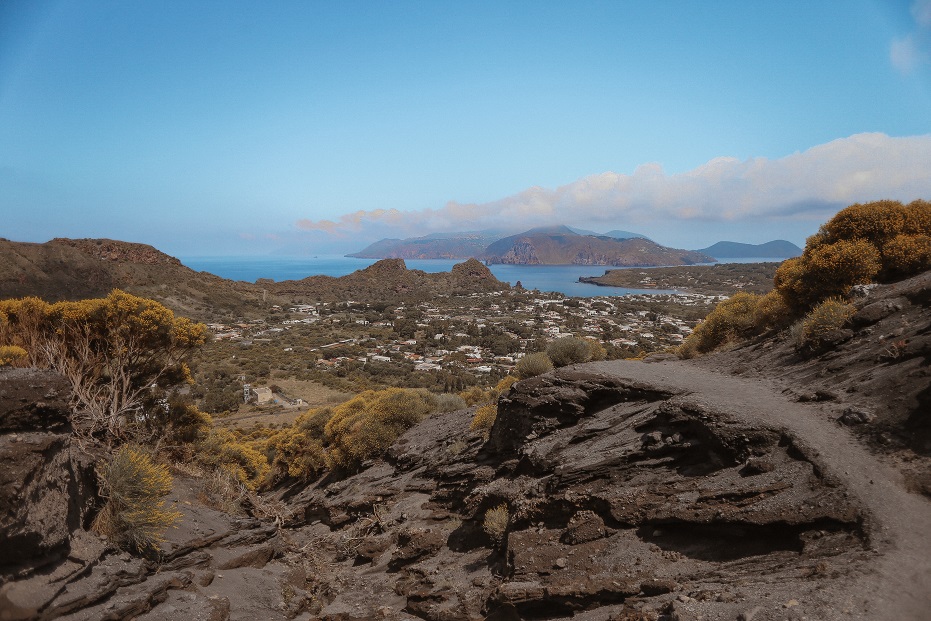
(565, 245)
(776, 249)
(436, 246)
(557, 245)
(561, 245)
(458, 245)
(718, 279)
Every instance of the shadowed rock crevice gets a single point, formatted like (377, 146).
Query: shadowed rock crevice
(554, 401)
(720, 542)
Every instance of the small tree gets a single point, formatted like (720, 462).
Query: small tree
(117, 352)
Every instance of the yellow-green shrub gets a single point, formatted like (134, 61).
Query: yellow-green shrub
(134, 516)
(447, 402)
(484, 417)
(246, 461)
(473, 395)
(495, 523)
(26, 325)
(918, 218)
(829, 315)
(905, 255)
(11, 355)
(880, 223)
(115, 352)
(875, 222)
(569, 350)
(730, 320)
(366, 425)
(532, 365)
(297, 453)
(597, 350)
(825, 270)
(313, 422)
(771, 311)
(504, 385)
(879, 241)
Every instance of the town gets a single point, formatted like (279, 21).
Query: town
(449, 344)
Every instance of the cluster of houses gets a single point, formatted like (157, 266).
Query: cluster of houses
(524, 319)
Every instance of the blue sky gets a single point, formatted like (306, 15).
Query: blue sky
(243, 127)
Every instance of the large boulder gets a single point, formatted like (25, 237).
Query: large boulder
(47, 485)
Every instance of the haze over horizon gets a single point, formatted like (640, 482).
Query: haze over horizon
(207, 128)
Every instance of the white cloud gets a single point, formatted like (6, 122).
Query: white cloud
(810, 185)
(906, 55)
(921, 11)
(910, 52)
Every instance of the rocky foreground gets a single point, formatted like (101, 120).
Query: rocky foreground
(665, 490)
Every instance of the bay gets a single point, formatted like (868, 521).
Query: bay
(560, 278)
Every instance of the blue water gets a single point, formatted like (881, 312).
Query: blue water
(560, 278)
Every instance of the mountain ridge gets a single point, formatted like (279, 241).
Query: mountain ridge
(562, 246)
(73, 269)
(463, 245)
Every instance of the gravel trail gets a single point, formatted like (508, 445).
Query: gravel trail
(898, 526)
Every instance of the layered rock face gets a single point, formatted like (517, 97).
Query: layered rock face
(47, 486)
(628, 491)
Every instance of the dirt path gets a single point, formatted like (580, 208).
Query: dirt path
(899, 522)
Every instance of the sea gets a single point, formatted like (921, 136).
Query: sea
(559, 278)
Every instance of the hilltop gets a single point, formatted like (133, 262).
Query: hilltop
(389, 279)
(73, 269)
